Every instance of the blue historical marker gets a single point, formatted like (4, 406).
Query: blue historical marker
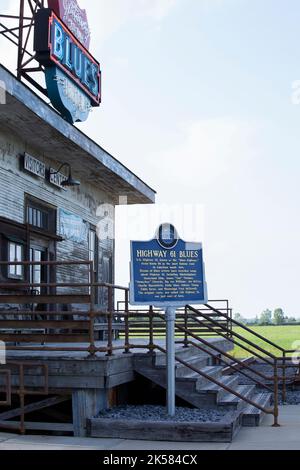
(168, 272)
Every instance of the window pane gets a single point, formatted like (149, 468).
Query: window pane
(12, 251)
(19, 257)
(15, 254)
(19, 270)
(12, 255)
(38, 219)
(92, 245)
(41, 217)
(18, 253)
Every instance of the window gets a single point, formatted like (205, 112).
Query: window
(93, 256)
(40, 216)
(37, 273)
(92, 245)
(15, 255)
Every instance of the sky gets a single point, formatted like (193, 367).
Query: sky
(198, 100)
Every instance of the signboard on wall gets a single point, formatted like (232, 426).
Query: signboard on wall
(167, 271)
(73, 75)
(34, 166)
(72, 227)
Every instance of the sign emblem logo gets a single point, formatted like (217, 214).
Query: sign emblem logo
(167, 236)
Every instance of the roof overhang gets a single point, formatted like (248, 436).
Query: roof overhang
(31, 119)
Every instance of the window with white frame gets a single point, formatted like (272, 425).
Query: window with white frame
(15, 255)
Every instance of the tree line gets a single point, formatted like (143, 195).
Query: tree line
(267, 317)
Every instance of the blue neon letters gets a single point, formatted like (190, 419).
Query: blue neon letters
(66, 51)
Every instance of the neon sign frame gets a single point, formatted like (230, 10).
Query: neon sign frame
(46, 56)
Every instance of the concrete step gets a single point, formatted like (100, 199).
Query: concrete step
(211, 388)
(238, 366)
(199, 362)
(231, 400)
(252, 416)
(210, 394)
(183, 353)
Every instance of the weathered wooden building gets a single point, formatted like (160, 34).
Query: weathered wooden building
(67, 340)
(40, 220)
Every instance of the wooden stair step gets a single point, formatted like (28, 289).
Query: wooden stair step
(199, 361)
(237, 366)
(213, 371)
(214, 388)
(231, 399)
(251, 415)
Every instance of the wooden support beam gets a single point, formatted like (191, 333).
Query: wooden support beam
(87, 404)
(30, 426)
(44, 338)
(33, 407)
(41, 324)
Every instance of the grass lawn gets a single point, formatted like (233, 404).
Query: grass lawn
(284, 336)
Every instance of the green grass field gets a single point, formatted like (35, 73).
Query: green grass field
(284, 336)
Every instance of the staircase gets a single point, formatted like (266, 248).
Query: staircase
(209, 376)
(198, 388)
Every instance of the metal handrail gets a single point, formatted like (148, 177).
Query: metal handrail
(233, 333)
(284, 351)
(232, 340)
(241, 325)
(273, 411)
(218, 383)
(208, 312)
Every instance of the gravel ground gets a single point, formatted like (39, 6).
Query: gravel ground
(158, 413)
(292, 398)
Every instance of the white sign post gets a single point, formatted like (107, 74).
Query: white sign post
(170, 340)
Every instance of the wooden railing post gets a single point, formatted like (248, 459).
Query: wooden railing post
(276, 394)
(127, 339)
(110, 322)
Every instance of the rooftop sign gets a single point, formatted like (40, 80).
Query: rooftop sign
(167, 271)
(73, 76)
(74, 17)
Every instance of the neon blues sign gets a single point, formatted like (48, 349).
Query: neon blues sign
(73, 76)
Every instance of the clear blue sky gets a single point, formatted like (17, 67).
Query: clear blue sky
(197, 101)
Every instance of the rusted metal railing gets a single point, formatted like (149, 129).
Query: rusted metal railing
(74, 329)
